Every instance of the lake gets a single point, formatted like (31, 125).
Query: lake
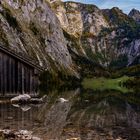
(82, 113)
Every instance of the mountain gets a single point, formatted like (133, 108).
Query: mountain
(30, 28)
(108, 37)
(135, 14)
(68, 37)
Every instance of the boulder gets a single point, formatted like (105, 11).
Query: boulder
(21, 98)
(8, 134)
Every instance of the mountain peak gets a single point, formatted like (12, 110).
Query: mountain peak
(135, 14)
(116, 8)
(134, 11)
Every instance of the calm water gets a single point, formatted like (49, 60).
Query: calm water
(87, 115)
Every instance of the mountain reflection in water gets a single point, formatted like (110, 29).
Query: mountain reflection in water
(87, 115)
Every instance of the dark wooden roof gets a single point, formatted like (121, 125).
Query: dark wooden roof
(21, 58)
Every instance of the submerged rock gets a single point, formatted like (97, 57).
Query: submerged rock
(16, 105)
(25, 108)
(22, 107)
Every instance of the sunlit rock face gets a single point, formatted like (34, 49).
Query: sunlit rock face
(80, 21)
(101, 35)
(76, 18)
(31, 28)
(70, 19)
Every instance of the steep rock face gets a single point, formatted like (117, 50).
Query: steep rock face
(134, 51)
(70, 20)
(31, 28)
(37, 28)
(124, 37)
(80, 20)
(104, 36)
(135, 14)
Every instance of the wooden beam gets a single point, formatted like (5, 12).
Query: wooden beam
(23, 59)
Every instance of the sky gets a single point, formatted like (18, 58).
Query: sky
(125, 5)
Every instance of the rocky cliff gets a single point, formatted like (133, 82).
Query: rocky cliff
(66, 36)
(108, 37)
(30, 28)
(135, 14)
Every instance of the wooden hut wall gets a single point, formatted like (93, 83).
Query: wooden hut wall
(15, 76)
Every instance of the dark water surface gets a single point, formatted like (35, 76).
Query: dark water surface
(85, 115)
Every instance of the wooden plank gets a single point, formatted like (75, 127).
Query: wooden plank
(8, 79)
(20, 58)
(36, 84)
(16, 76)
(22, 78)
(31, 82)
(12, 76)
(14, 82)
(4, 74)
(19, 78)
(0, 73)
(28, 81)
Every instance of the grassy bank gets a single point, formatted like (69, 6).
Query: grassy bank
(104, 83)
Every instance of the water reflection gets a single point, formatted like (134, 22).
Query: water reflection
(86, 114)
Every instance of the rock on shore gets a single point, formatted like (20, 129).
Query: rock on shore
(17, 135)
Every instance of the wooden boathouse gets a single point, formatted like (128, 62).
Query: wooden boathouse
(17, 74)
